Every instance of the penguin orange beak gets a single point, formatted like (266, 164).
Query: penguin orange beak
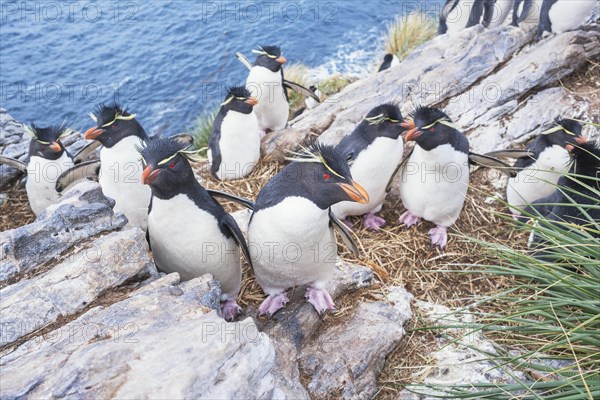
(93, 133)
(413, 132)
(281, 60)
(356, 192)
(581, 140)
(149, 175)
(55, 146)
(252, 101)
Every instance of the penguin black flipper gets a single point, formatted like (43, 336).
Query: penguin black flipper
(488, 12)
(81, 171)
(345, 233)
(545, 25)
(296, 87)
(242, 58)
(398, 168)
(511, 153)
(477, 9)
(11, 162)
(148, 229)
(213, 144)
(85, 152)
(446, 10)
(228, 196)
(491, 162)
(228, 222)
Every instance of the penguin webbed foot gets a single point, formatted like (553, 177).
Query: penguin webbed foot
(409, 219)
(272, 304)
(373, 222)
(262, 133)
(439, 236)
(230, 309)
(320, 299)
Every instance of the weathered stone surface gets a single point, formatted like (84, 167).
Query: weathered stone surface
(291, 328)
(160, 342)
(82, 213)
(347, 358)
(70, 286)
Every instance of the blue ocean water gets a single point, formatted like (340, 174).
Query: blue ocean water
(171, 61)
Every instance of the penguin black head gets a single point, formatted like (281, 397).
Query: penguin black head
(586, 159)
(166, 164)
(431, 127)
(113, 123)
(388, 58)
(269, 57)
(323, 172)
(565, 132)
(384, 120)
(45, 142)
(239, 99)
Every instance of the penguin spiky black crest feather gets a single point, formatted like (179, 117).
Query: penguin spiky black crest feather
(48, 134)
(238, 91)
(105, 114)
(569, 125)
(158, 150)
(384, 112)
(325, 154)
(424, 116)
(271, 50)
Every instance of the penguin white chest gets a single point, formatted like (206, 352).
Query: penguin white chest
(187, 239)
(120, 178)
(272, 109)
(566, 15)
(239, 145)
(42, 175)
(372, 169)
(291, 244)
(537, 180)
(434, 183)
(501, 10)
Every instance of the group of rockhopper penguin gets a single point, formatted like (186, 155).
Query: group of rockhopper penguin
(291, 240)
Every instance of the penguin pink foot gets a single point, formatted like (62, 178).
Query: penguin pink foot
(347, 222)
(273, 303)
(230, 309)
(262, 133)
(439, 236)
(409, 219)
(373, 222)
(320, 299)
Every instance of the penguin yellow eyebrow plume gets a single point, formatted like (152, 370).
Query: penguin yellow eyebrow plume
(262, 52)
(192, 155)
(119, 116)
(313, 154)
(443, 122)
(378, 119)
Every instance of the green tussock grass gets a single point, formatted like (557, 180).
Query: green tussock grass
(547, 324)
(201, 129)
(409, 32)
(334, 84)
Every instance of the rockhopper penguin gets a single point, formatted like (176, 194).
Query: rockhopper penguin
(374, 149)
(188, 231)
(234, 145)
(291, 232)
(120, 135)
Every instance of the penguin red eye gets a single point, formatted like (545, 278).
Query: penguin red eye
(326, 176)
(172, 165)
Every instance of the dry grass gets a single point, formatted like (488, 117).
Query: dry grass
(16, 211)
(408, 32)
(297, 73)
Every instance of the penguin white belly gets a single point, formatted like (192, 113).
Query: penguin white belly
(458, 18)
(501, 10)
(566, 15)
(42, 175)
(239, 145)
(187, 240)
(537, 180)
(120, 179)
(372, 169)
(291, 244)
(434, 184)
(272, 110)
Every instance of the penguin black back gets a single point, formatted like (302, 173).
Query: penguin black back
(431, 127)
(382, 121)
(113, 123)
(317, 172)
(387, 62)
